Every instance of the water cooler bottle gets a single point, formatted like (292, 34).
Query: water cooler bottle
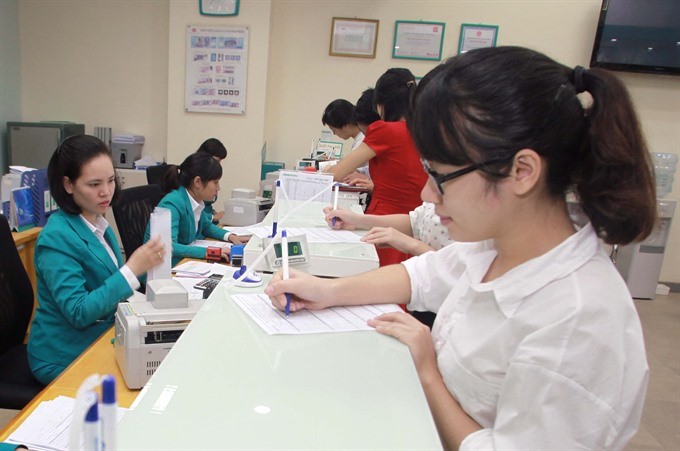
(640, 263)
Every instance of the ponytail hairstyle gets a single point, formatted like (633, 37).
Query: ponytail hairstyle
(393, 91)
(214, 147)
(364, 113)
(68, 160)
(490, 103)
(199, 164)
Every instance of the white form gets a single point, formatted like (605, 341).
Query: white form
(335, 319)
(314, 234)
(48, 427)
(300, 185)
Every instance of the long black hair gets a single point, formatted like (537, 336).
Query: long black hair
(491, 103)
(68, 161)
(199, 164)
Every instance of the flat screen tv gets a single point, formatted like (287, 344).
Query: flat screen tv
(638, 36)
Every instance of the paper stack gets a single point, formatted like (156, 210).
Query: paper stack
(49, 426)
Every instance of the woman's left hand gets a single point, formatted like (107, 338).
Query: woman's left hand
(413, 334)
(239, 239)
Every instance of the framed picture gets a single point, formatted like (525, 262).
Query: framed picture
(353, 37)
(475, 36)
(418, 40)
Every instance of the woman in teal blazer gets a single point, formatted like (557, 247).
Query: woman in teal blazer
(195, 181)
(80, 272)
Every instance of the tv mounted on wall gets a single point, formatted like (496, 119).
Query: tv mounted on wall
(638, 36)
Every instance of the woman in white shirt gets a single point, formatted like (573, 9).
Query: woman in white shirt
(537, 344)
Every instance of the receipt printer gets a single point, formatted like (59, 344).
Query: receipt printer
(146, 328)
(244, 208)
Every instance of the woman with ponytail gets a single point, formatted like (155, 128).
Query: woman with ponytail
(391, 155)
(537, 343)
(192, 183)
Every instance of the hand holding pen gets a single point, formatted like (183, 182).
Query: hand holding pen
(304, 291)
(284, 264)
(344, 219)
(336, 193)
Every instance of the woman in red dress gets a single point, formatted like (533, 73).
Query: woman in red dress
(393, 161)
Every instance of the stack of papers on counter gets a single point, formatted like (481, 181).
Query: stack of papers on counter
(49, 426)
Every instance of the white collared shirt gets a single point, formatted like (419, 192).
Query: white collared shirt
(100, 226)
(548, 356)
(197, 208)
(358, 139)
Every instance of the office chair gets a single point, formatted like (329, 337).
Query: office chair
(132, 211)
(17, 384)
(156, 174)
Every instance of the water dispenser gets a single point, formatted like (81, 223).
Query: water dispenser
(640, 263)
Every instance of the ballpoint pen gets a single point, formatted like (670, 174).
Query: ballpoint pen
(336, 193)
(92, 426)
(276, 206)
(109, 413)
(284, 263)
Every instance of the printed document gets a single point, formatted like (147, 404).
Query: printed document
(335, 319)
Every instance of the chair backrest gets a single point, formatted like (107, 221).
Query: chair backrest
(132, 211)
(156, 174)
(16, 292)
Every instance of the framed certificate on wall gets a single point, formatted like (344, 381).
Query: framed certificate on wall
(353, 37)
(418, 40)
(475, 36)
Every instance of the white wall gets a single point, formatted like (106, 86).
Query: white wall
(243, 135)
(10, 101)
(100, 63)
(120, 63)
(303, 79)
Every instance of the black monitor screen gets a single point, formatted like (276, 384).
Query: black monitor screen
(638, 36)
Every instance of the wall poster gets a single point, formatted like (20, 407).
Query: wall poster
(217, 69)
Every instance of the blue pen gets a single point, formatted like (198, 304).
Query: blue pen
(284, 263)
(109, 413)
(276, 217)
(336, 192)
(92, 426)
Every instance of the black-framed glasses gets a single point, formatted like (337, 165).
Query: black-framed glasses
(440, 179)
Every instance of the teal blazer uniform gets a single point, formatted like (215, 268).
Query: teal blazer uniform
(79, 288)
(184, 226)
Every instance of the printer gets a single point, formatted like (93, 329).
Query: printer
(245, 208)
(146, 328)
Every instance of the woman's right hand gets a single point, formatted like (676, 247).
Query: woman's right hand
(344, 219)
(307, 291)
(146, 256)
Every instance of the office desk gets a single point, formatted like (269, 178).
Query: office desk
(226, 384)
(25, 242)
(98, 358)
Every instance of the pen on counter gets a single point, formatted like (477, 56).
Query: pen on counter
(276, 205)
(109, 414)
(92, 426)
(311, 151)
(284, 263)
(336, 193)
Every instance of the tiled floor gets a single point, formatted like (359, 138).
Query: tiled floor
(660, 428)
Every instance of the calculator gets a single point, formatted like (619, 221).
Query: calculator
(208, 285)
